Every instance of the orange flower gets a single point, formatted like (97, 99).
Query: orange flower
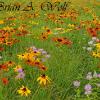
(44, 36)
(2, 39)
(62, 41)
(38, 64)
(1, 48)
(5, 81)
(92, 32)
(48, 31)
(4, 67)
(10, 63)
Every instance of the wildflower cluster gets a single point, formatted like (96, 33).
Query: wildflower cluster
(87, 86)
(91, 44)
(35, 57)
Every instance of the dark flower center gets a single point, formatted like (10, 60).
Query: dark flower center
(24, 89)
(43, 76)
(59, 40)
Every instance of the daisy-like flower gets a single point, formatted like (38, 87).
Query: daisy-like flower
(10, 63)
(89, 48)
(76, 83)
(24, 91)
(43, 79)
(1, 22)
(17, 68)
(97, 45)
(21, 75)
(90, 42)
(88, 87)
(71, 25)
(21, 56)
(8, 28)
(95, 54)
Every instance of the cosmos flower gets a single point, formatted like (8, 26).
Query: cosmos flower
(20, 70)
(24, 91)
(20, 75)
(76, 83)
(43, 79)
(88, 87)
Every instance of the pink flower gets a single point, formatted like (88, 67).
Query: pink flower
(98, 75)
(20, 76)
(88, 87)
(20, 70)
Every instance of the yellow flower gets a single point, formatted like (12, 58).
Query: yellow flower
(35, 53)
(24, 91)
(71, 25)
(68, 30)
(43, 79)
(22, 56)
(33, 23)
(1, 22)
(97, 45)
(29, 56)
(17, 67)
(8, 28)
(96, 54)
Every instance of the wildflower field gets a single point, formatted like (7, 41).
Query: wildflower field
(49, 50)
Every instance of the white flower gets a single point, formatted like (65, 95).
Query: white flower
(89, 48)
(90, 42)
(94, 38)
(76, 83)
